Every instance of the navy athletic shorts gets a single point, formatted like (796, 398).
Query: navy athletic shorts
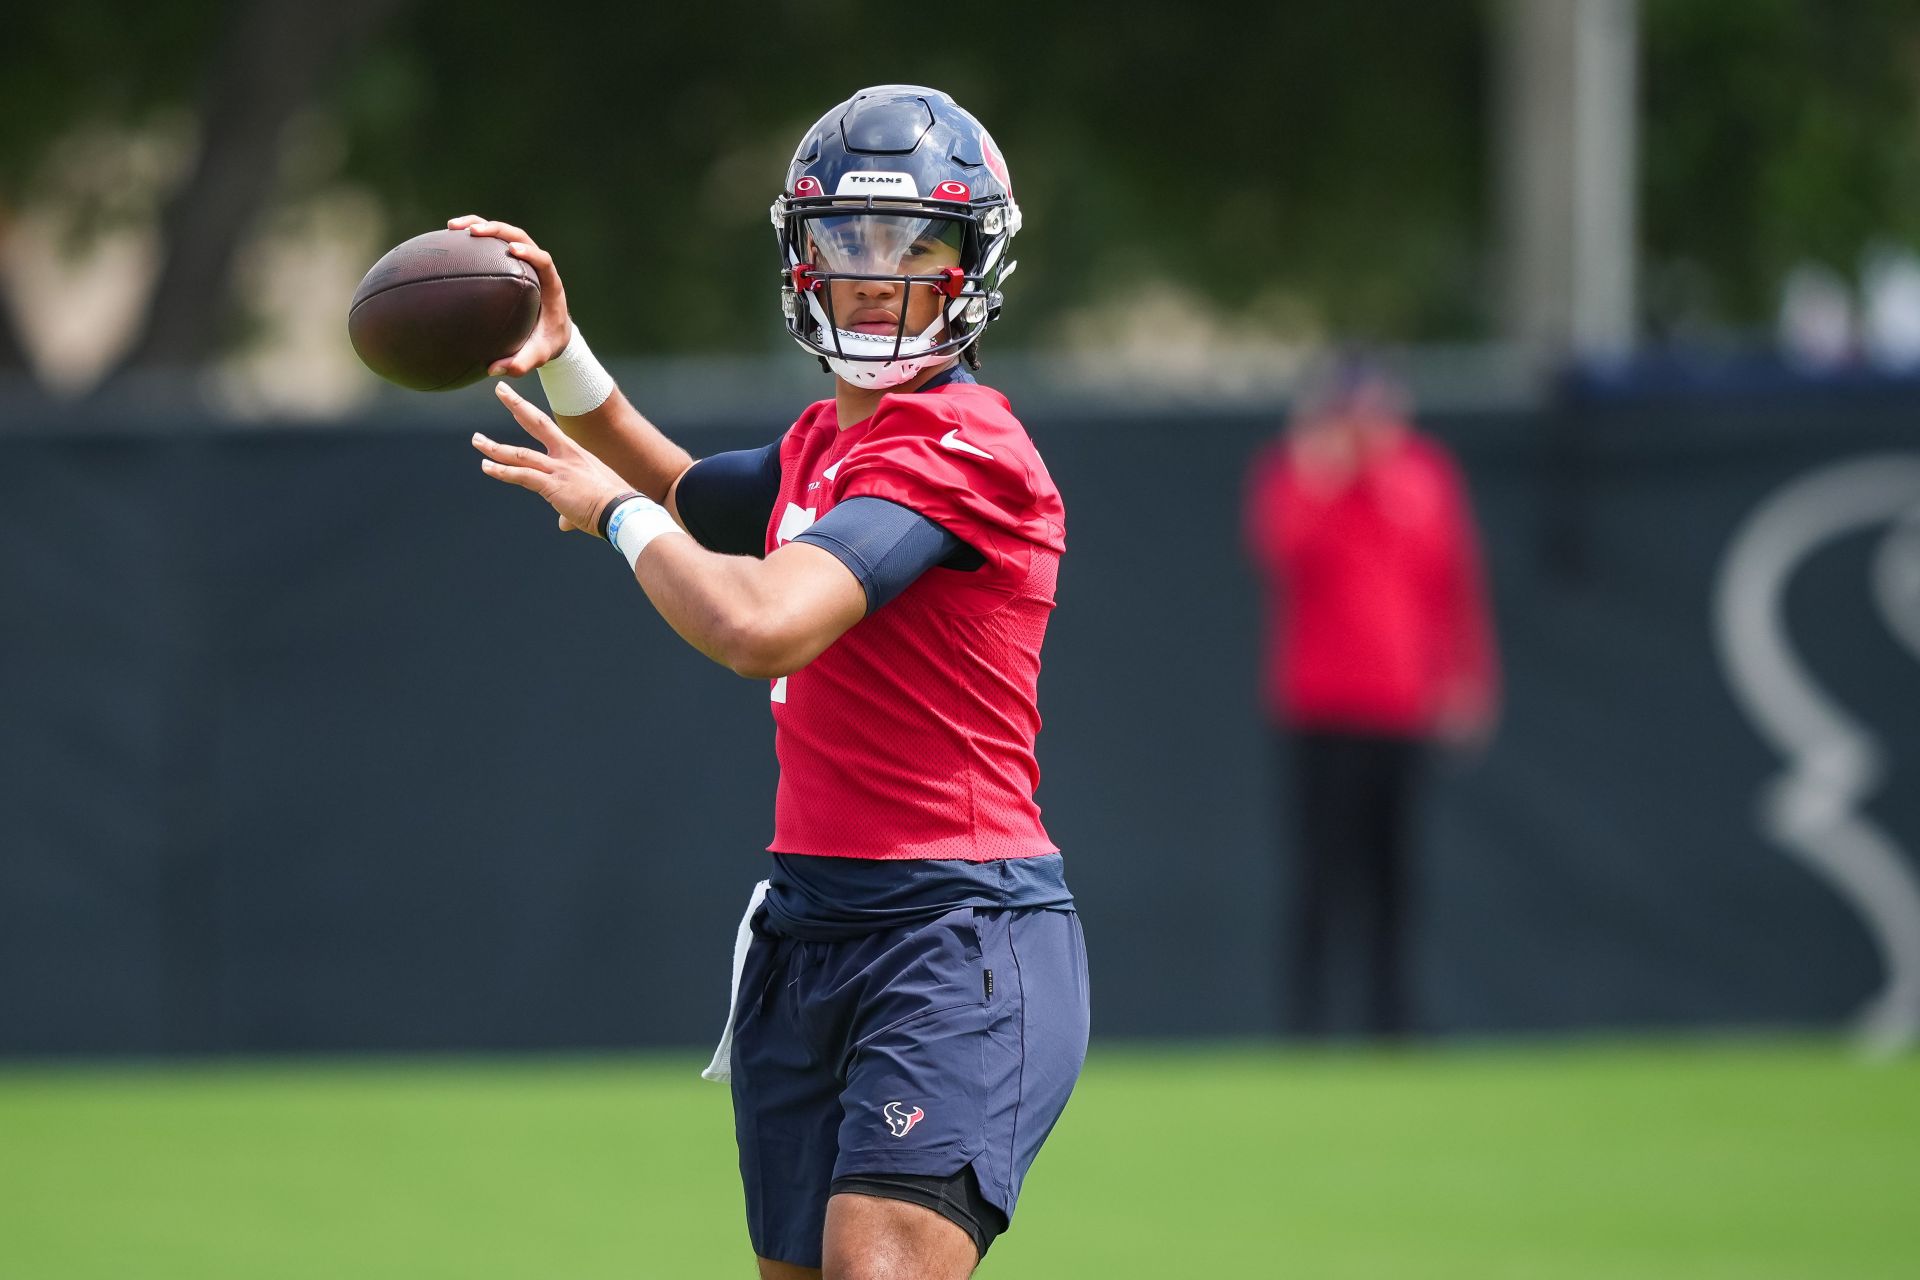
(921, 1049)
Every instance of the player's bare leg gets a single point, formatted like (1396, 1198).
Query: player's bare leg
(874, 1238)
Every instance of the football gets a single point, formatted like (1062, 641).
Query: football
(436, 311)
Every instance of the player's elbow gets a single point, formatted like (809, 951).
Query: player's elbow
(764, 666)
(762, 648)
(756, 666)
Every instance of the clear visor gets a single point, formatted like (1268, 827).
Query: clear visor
(883, 244)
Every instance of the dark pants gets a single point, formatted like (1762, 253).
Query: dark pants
(1352, 800)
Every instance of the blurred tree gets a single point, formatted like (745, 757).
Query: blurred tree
(1333, 153)
(13, 351)
(268, 63)
(1776, 131)
(67, 67)
(1331, 156)
(1324, 165)
(248, 67)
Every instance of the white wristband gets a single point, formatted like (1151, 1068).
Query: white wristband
(635, 523)
(574, 381)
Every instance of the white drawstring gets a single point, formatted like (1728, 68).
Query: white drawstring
(721, 1068)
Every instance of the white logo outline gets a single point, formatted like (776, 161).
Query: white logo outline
(900, 1120)
(1814, 807)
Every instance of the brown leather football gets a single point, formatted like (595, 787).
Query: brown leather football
(438, 310)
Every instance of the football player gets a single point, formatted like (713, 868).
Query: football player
(910, 986)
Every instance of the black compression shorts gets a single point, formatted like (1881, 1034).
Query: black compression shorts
(956, 1197)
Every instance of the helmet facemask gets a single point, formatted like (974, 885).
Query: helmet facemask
(892, 168)
(944, 248)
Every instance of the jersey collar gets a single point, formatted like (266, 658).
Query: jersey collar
(952, 374)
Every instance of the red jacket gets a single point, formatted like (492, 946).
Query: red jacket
(1376, 613)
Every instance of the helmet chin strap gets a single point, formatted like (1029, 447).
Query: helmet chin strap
(878, 375)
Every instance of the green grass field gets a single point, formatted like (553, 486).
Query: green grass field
(1748, 1161)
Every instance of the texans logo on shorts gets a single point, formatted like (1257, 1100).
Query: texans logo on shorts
(899, 1119)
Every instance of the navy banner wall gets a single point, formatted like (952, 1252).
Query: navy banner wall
(317, 740)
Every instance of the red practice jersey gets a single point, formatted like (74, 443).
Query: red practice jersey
(912, 736)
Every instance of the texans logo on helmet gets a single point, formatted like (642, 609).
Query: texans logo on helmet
(899, 1119)
(996, 163)
(953, 191)
(807, 186)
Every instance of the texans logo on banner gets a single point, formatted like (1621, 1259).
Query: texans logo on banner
(900, 1120)
(1817, 806)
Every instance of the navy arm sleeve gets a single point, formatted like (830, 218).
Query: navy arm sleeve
(886, 546)
(726, 501)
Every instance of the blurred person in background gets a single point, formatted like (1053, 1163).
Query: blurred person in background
(1378, 647)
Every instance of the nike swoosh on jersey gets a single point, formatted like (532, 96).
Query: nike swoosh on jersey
(952, 440)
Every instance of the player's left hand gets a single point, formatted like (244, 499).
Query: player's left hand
(576, 484)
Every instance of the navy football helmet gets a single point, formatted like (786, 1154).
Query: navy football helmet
(897, 183)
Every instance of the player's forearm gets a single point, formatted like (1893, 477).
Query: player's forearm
(620, 436)
(758, 618)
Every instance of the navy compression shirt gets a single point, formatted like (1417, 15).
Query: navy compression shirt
(726, 502)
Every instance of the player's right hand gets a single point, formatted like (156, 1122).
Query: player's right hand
(555, 328)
